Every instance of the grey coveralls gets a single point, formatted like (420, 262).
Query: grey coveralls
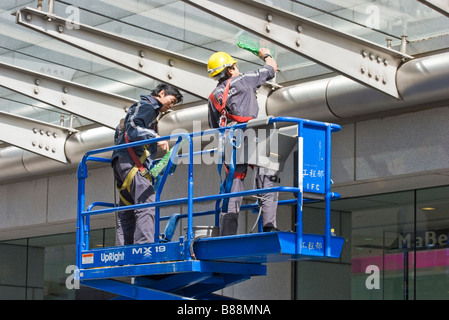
(242, 101)
(136, 226)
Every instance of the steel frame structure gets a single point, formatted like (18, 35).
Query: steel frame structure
(358, 59)
(46, 139)
(35, 136)
(442, 6)
(156, 63)
(98, 106)
(194, 267)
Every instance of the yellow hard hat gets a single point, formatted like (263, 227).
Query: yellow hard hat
(218, 62)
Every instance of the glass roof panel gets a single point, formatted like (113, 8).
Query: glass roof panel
(176, 26)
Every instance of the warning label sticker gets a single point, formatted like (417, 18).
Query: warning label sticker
(87, 258)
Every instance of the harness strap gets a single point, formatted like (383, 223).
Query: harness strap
(138, 162)
(127, 185)
(218, 106)
(225, 115)
(138, 166)
(237, 175)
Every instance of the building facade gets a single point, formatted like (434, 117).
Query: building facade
(390, 161)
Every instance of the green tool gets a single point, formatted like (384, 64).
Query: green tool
(157, 169)
(248, 47)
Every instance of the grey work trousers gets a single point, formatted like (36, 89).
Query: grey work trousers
(134, 226)
(268, 202)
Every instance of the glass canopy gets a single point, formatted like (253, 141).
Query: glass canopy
(181, 28)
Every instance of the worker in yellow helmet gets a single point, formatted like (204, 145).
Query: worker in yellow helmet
(242, 107)
(218, 62)
(233, 101)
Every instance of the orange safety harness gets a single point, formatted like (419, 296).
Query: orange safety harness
(137, 161)
(225, 115)
(138, 166)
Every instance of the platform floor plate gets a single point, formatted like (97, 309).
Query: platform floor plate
(265, 247)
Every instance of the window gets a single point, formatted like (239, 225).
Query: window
(35, 268)
(397, 248)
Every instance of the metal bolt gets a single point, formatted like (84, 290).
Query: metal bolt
(170, 75)
(171, 63)
(141, 63)
(299, 29)
(364, 54)
(40, 146)
(298, 42)
(55, 135)
(34, 130)
(34, 143)
(47, 148)
(363, 70)
(53, 150)
(65, 89)
(63, 101)
(269, 18)
(404, 44)
(28, 17)
(386, 62)
(384, 81)
(36, 90)
(141, 53)
(60, 29)
(268, 28)
(37, 82)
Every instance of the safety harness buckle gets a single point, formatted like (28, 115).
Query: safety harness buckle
(223, 120)
(143, 172)
(274, 178)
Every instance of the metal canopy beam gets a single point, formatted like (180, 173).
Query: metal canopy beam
(98, 106)
(356, 58)
(183, 72)
(442, 6)
(35, 136)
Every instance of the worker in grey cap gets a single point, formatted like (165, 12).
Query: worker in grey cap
(131, 165)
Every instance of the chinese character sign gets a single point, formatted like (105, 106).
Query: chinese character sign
(314, 162)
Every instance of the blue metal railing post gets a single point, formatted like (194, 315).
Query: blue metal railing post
(81, 202)
(299, 196)
(162, 183)
(190, 197)
(328, 194)
(220, 160)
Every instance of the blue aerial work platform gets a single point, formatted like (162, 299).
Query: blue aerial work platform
(195, 267)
